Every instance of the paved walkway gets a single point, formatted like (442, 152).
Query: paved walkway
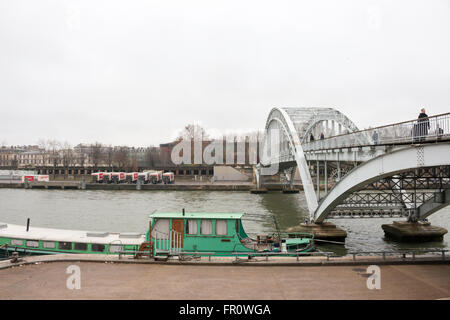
(110, 280)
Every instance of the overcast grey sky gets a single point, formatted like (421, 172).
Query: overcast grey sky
(135, 72)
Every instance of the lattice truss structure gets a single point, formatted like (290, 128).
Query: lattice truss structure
(397, 196)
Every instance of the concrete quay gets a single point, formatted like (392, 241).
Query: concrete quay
(177, 186)
(107, 277)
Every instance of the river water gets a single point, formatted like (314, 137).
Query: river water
(127, 211)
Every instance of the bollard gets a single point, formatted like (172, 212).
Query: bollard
(138, 184)
(14, 257)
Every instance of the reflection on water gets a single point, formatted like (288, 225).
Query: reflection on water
(127, 211)
(288, 209)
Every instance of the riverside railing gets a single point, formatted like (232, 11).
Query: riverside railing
(404, 254)
(430, 129)
(171, 243)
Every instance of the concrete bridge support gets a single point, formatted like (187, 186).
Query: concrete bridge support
(420, 231)
(322, 231)
(417, 229)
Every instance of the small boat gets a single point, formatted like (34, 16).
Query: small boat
(52, 241)
(218, 234)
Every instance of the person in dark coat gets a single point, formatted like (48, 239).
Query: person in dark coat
(311, 137)
(375, 137)
(423, 125)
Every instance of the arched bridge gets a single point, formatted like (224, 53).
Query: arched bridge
(401, 169)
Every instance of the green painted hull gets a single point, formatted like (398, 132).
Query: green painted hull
(40, 250)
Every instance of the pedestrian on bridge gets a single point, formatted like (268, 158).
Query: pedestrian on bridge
(311, 137)
(375, 137)
(423, 125)
(439, 132)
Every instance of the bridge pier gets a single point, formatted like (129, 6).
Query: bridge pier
(258, 190)
(420, 231)
(322, 231)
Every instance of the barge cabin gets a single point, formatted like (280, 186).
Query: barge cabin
(218, 233)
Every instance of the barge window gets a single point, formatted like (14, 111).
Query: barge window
(48, 245)
(115, 248)
(161, 228)
(98, 247)
(221, 228)
(206, 227)
(191, 226)
(65, 245)
(16, 242)
(80, 246)
(32, 244)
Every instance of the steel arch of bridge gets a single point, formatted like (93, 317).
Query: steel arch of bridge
(296, 124)
(384, 166)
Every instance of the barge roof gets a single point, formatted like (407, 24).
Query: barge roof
(48, 234)
(197, 215)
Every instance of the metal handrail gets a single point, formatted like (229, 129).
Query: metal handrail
(412, 131)
(282, 254)
(403, 252)
(268, 254)
(170, 244)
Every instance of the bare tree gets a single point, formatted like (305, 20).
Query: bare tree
(109, 156)
(96, 154)
(133, 163)
(193, 132)
(81, 159)
(68, 158)
(52, 148)
(152, 157)
(120, 157)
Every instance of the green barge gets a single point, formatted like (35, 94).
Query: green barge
(219, 234)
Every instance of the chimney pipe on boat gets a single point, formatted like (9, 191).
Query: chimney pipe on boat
(28, 224)
(183, 212)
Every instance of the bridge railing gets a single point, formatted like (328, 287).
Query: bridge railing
(434, 128)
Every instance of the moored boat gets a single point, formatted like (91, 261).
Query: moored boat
(219, 234)
(52, 241)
